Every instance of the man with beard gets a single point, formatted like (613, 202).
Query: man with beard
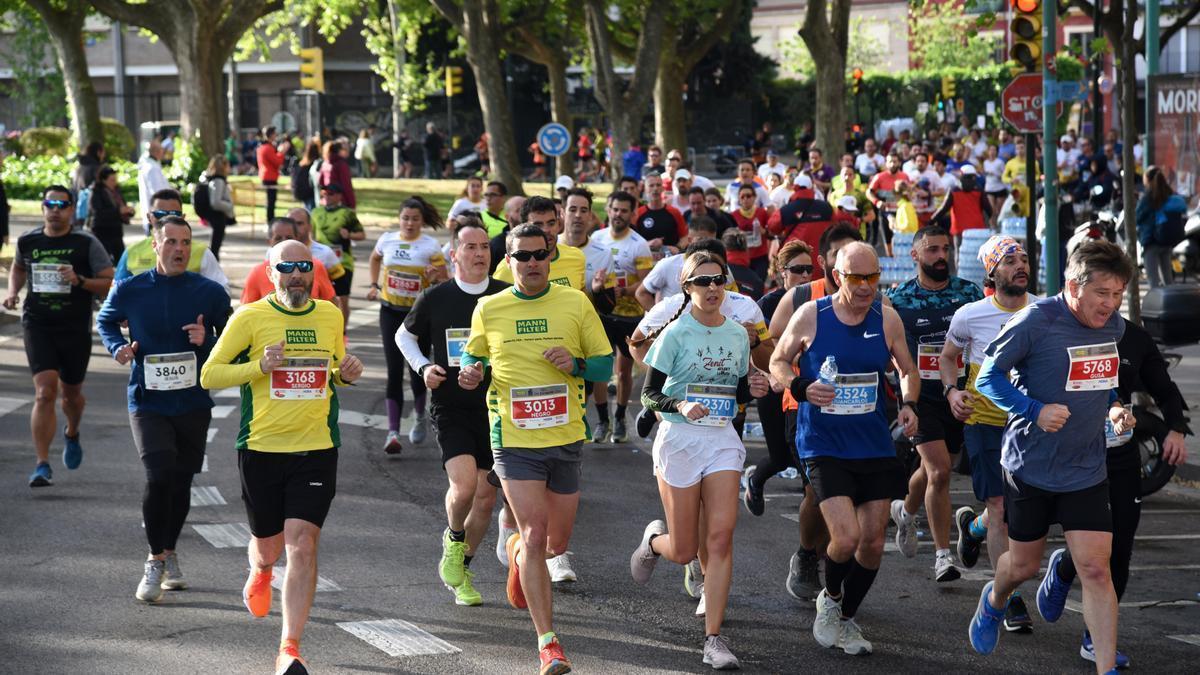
(804, 217)
(287, 352)
(926, 305)
(882, 193)
(973, 328)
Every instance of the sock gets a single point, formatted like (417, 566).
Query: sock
(545, 639)
(905, 516)
(1066, 569)
(621, 412)
(858, 582)
(457, 535)
(941, 552)
(978, 528)
(835, 576)
(806, 552)
(602, 411)
(467, 560)
(285, 642)
(651, 544)
(419, 404)
(394, 409)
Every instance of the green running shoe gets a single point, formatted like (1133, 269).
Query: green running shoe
(451, 567)
(465, 593)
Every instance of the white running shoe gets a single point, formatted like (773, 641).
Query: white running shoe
(150, 588)
(945, 568)
(827, 628)
(173, 576)
(702, 605)
(560, 568)
(851, 639)
(505, 533)
(906, 531)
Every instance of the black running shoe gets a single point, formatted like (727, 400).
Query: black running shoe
(753, 498)
(644, 422)
(968, 546)
(1016, 617)
(803, 580)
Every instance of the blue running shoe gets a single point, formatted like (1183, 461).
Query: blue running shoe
(1089, 653)
(73, 452)
(1052, 592)
(41, 476)
(985, 625)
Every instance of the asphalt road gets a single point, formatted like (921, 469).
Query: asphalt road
(71, 556)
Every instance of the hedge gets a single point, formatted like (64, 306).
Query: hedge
(26, 177)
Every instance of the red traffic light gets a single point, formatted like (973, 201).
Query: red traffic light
(857, 73)
(1027, 6)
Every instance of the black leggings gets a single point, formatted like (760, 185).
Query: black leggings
(217, 223)
(165, 505)
(1124, 492)
(390, 322)
(779, 448)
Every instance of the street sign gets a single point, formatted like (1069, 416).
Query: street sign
(1022, 103)
(554, 139)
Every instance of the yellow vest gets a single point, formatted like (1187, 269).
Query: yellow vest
(141, 256)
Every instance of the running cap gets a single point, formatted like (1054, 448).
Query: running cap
(848, 203)
(564, 183)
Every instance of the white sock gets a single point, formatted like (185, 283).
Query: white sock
(906, 516)
(943, 552)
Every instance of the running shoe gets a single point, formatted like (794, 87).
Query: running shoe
(1016, 617)
(906, 531)
(717, 654)
(554, 662)
(560, 569)
(753, 498)
(173, 576)
(644, 422)
(1052, 592)
(1088, 652)
(392, 445)
(516, 594)
(465, 593)
(702, 606)
(600, 435)
(150, 589)
(693, 578)
(72, 451)
(827, 628)
(803, 581)
(643, 560)
(256, 594)
(968, 546)
(984, 631)
(619, 434)
(945, 569)
(42, 476)
(288, 662)
(505, 533)
(416, 435)
(450, 569)
(851, 639)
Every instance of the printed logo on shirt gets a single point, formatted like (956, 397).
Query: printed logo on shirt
(561, 281)
(532, 326)
(300, 336)
(39, 253)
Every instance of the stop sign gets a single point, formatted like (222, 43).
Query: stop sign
(1022, 103)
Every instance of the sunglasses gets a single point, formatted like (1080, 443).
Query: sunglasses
(800, 269)
(706, 280)
(159, 214)
(858, 279)
(526, 256)
(56, 204)
(287, 267)
(492, 195)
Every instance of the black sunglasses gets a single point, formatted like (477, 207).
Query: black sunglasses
(56, 204)
(706, 280)
(526, 256)
(287, 267)
(159, 214)
(800, 269)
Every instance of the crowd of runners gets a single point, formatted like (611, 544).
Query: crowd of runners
(515, 334)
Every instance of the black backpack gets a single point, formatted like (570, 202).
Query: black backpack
(302, 188)
(201, 200)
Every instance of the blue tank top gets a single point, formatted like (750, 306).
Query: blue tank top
(855, 426)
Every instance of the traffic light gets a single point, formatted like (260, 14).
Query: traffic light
(312, 69)
(856, 86)
(454, 75)
(949, 87)
(1026, 27)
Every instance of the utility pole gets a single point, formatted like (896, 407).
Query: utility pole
(1097, 71)
(397, 114)
(1152, 30)
(235, 103)
(118, 39)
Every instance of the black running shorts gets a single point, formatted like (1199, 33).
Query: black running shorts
(1029, 511)
(862, 480)
(341, 285)
(617, 328)
(463, 432)
(65, 351)
(936, 422)
(281, 485)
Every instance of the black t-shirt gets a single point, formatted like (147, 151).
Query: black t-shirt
(748, 281)
(50, 302)
(497, 245)
(655, 223)
(445, 307)
(769, 302)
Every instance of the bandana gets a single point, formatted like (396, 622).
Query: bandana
(993, 251)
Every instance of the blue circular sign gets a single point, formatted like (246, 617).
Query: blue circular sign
(554, 139)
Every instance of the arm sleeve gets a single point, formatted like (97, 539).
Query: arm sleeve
(1009, 348)
(653, 396)
(219, 371)
(1164, 390)
(411, 349)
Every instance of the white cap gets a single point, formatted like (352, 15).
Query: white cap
(803, 181)
(848, 203)
(564, 183)
(682, 174)
(1066, 138)
(968, 169)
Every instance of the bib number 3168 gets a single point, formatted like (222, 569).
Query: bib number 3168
(300, 379)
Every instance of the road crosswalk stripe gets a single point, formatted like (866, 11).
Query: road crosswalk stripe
(204, 466)
(1193, 639)
(225, 535)
(207, 495)
(221, 411)
(212, 433)
(323, 585)
(362, 419)
(398, 638)
(8, 405)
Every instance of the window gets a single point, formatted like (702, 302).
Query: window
(1193, 49)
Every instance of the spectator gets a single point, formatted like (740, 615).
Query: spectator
(632, 161)
(539, 165)
(993, 183)
(336, 171)
(484, 154)
(906, 219)
(107, 212)
(89, 165)
(470, 199)
(1160, 214)
(150, 177)
(303, 186)
(220, 201)
(869, 162)
(270, 160)
(586, 154)
(231, 151)
(408, 159)
(435, 147)
(364, 153)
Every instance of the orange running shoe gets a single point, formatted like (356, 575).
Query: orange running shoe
(553, 660)
(257, 592)
(516, 594)
(288, 662)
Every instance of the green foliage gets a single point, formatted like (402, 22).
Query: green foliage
(943, 35)
(28, 55)
(863, 51)
(118, 140)
(418, 77)
(188, 163)
(26, 177)
(1069, 68)
(40, 141)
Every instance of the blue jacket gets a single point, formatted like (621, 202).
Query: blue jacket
(156, 308)
(1161, 227)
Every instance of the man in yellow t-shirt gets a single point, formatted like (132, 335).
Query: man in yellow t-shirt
(286, 352)
(568, 265)
(541, 340)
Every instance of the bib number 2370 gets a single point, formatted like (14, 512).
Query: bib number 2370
(1093, 367)
(539, 407)
(720, 399)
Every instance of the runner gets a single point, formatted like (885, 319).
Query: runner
(286, 352)
(926, 304)
(440, 320)
(337, 226)
(568, 265)
(258, 283)
(173, 317)
(632, 260)
(541, 341)
(66, 269)
(407, 262)
(1053, 452)
(663, 279)
(842, 433)
(329, 259)
(972, 329)
(141, 257)
(699, 372)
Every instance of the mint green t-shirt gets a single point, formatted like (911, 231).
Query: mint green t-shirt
(691, 353)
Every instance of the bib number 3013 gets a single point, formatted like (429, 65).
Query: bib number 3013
(539, 407)
(1093, 367)
(720, 399)
(299, 379)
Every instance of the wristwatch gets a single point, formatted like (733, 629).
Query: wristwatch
(946, 389)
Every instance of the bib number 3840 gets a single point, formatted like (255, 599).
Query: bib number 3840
(1093, 367)
(300, 379)
(168, 372)
(539, 407)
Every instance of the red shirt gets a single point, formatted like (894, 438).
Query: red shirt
(269, 161)
(258, 283)
(755, 228)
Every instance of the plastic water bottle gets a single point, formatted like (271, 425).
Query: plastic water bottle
(828, 371)
(789, 473)
(753, 430)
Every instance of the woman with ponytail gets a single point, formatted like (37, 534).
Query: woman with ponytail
(700, 371)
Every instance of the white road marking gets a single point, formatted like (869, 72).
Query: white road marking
(207, 495)
(204, 466)
(1148, 537)
(1193, 639)
(355, 346)
(323, 585)
(398, 638)
(362, 419)
(363, 317)
(1077, 607)
(8, 405)
(225, 535)
(221, 411)
(212, 433)
(230, 392)
(1170, 512)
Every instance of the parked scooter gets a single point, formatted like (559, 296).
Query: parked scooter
(1187, 252)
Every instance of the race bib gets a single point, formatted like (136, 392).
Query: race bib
(1093, 367)
(300, 379)
(720, 399)
(456, 342)
(539, 407)
(1111, 438)
(854, 394)
(754, 236)
(46, 278)
(929, 359)
(168, 372)
(621, 279)
(404, 284)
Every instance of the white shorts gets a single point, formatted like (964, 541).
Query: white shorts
(685, 453)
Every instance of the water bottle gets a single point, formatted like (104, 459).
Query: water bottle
(789, 473)
(828, 371)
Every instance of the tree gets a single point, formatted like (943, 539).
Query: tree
(862, 51)
(826, 32)
(942, 35)
(38, 88)
(201, 36)
(64, 25)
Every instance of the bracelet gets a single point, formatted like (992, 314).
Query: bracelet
(375, 286)
(911, 404)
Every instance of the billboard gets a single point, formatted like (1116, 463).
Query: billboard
(1176, 130)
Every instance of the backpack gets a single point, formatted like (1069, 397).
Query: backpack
(82, 203)
(302, 187)
(202, 201)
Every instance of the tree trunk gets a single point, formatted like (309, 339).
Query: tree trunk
(200, 96)
(826, 36)
(670, 122)
(560, 110)
(66, 33)
(1127, 81)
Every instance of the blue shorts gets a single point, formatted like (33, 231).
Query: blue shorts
(983, 447)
